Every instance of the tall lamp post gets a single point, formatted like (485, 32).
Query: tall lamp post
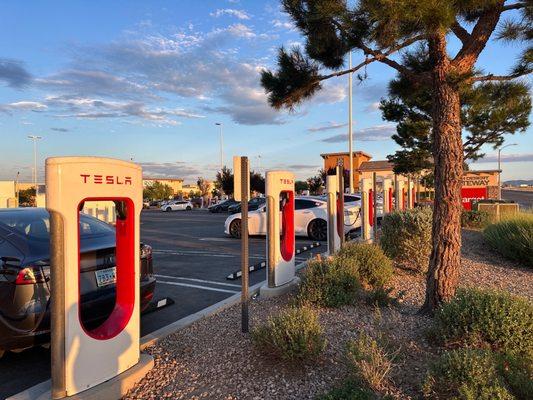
(219, 124)
(34, 138)
(350, 130)
(499, 169)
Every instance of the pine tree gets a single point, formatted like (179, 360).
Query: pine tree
(379, 29)
(489, 111)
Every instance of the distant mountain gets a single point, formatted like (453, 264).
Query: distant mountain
(518, 182)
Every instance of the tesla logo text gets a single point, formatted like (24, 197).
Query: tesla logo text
(284, 181)
(106, 179)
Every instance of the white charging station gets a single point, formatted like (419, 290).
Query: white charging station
(400, 195)
(281, 241)
(334, 236)
(387, 195)
(84, 358)
(411, 194)
(366, 205)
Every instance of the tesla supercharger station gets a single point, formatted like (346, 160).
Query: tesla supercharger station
(281, 266)
(387, 195)
(334, 234)
(366, 205)
(83, 357)
(411, 194)
(400, 195)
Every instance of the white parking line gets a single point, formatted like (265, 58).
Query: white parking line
(200, 253)
(197, 280)
(199, 287)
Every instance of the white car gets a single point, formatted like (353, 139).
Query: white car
(176, 205)
(310, 219)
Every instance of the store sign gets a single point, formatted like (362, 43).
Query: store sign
(476, 180)
(472, 194)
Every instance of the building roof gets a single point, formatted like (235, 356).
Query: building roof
(150, 178)
(378, 165)
(345, 153)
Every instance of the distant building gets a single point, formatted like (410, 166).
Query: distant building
(8, 194)
(175, 183)
(331, 160)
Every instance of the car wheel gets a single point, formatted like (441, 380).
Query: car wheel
(188, 208)
(235, 228)
(317, 230)
(168, 209)
(2, 352)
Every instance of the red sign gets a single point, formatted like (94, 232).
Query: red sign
(471, 194)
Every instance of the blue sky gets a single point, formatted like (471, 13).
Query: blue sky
(149, 80)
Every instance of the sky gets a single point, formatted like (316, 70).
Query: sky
(148, 81)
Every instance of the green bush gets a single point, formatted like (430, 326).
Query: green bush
(513, 238)
(518, 375)
(406, 238)
(294, 334)
(373, 266)
(369, 361)
(329, 283)
(474, 219)
(486, 318)
(468, 374)
(350, 390)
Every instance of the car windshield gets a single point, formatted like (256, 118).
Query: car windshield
(35, 224)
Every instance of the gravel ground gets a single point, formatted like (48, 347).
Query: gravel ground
(212, 359)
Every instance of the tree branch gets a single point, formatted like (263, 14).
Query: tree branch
(486, 24)
(461, 33)
(492, 77)
(515, 6)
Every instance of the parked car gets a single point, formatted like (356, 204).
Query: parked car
(176, 205)
(222, 206)
(25, 276)
(253, 205)
(310, 219)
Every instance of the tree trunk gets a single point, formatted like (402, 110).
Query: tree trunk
(445, 259)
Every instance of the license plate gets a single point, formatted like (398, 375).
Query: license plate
(106, 276)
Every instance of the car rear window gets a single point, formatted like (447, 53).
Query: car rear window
(36, 224)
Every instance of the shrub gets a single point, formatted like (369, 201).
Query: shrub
(468, 374)
(370, 362)
(406, 238)
(474, 219)
(294, 334)
(373, 266)
(350, 390)
(513, 238)
(518, 375)
(329, 283)
(486, 318)
(381, 297)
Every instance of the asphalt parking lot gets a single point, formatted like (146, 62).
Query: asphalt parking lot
(191, 257)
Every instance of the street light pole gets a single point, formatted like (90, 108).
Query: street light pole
(499, 169)
(350, 130)
(219, 124)
(34, 138)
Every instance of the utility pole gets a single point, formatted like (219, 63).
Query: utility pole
(219, 124)
(34, 138)
(350, 123)
(499, 169)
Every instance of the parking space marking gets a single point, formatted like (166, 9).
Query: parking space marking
(196, 280)
(201, 254)
(199, 287)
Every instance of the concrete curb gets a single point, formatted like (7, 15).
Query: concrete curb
(36, 392)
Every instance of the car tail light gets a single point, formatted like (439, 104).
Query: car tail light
(146, 251)
(31, 276)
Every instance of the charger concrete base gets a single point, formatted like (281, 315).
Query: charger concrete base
(267, 292)
(113, 389)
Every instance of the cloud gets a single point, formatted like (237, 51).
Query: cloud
(60, 129)
(373, 106)
(23, 106)
(370, 134)
(177, 169)
(330, 126)
(278, 23)
(524, 157)
(86, 108)
(13, 73)
(239, 14)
